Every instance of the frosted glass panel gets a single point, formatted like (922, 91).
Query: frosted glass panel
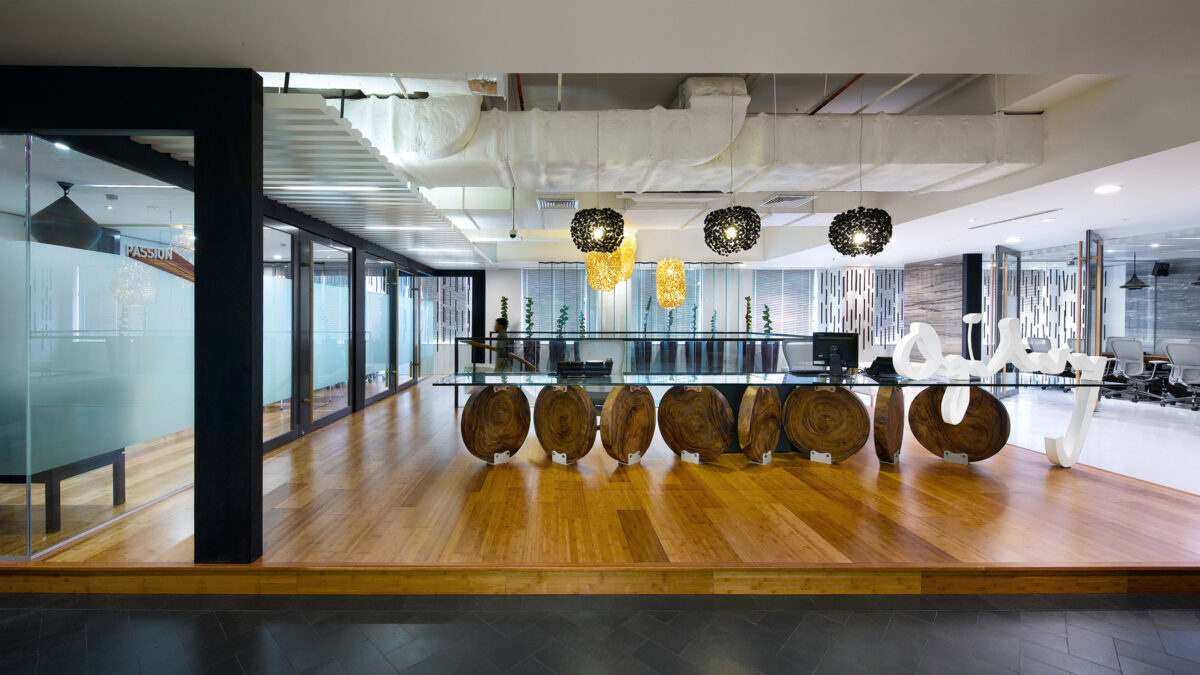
(110, 336)
(378, 315)
(277, 333)
(14, 508)
(330, 330)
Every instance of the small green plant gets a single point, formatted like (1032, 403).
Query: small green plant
(563, 313)
(528, 315)
(670, 319)
(504, 308)
(713, 323)
(646, 316)
(582, 324)
(695, 318)
(749, 315)
(766, 318)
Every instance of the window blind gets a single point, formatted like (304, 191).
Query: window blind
(790, 295)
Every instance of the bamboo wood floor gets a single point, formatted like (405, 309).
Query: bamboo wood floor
(388, 500)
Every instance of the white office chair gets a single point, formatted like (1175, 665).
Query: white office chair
(1160, 345)
(799, 355)
(1185, 372)
(1038, 345)
(1128, 362)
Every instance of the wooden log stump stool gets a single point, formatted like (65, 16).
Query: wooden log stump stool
(495, 422)
(829, 423)
(696, 422)
(758, 422)
(564, 420)
(982, 432)
(627, 423)
(889, 424)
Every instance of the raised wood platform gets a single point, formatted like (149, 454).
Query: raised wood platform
(389, 501)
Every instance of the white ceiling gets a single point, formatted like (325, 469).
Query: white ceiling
(1160, 193)
(868, 36)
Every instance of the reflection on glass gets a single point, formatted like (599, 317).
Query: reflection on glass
(378, 317)
(110, 344)
(404, 328)
(277, 333)
(330, 330)
(14, 535)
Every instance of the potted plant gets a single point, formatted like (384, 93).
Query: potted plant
(748, 344)
(668, 347)
(558, 346)
(715, 348)
(770, 348)
(582, 334)
(693, 350)
(641, 348)
(530, 345)
(504, 308)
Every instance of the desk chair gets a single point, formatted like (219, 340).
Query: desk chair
(598, 350)
(1038, 345)
(1129, 363)
(1185, 372)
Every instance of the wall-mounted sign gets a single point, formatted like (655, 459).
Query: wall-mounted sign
(164, 259)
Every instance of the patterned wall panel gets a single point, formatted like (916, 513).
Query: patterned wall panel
(889, 306)
(1170, 308)
(933, 295)
(847, 302)
(1049, 304)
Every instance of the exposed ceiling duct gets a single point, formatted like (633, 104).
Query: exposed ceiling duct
(685, 149)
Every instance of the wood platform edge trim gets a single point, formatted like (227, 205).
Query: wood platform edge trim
(595, 580)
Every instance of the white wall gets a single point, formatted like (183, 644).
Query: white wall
(507, 283)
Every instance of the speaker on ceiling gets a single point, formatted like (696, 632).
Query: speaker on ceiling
(1162, 269)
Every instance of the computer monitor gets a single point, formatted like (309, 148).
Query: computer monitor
(844, 345)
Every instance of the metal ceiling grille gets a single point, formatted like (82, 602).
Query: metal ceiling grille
(316, 163)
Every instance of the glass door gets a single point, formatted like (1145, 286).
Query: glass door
(278, 336)
(379, 281)
(405, 325)
(1006, 304)
(329, 332)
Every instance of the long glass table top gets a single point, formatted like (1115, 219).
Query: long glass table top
(482, 378)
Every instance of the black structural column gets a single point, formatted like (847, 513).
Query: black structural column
(229, 203)
(358, 323)
(222, 108)
(972, 301)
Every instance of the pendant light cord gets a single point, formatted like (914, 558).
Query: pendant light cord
(731, 76)
(597, 141)
(860, 146)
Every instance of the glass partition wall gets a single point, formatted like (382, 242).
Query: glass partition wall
(379, 278)
(329, 330)
(278, 333)
(96, 394)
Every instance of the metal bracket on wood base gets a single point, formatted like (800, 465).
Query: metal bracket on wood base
(955, 457)
(692, 457)
(559, 458)
(766, 458)
(822, 457)
(501, 457)
(633, 458)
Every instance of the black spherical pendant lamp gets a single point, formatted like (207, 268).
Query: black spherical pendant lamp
(860, 231)
(63, 223)
(597, 230)
(732, 230)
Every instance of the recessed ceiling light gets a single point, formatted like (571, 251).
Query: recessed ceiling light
(1013, 240)
(1155, 245)
(277, 257)
(109, 207)
(1049, 220)
(397, 228)
(1108, 189)
(61, 146)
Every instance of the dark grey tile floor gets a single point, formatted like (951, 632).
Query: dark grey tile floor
(600, 634)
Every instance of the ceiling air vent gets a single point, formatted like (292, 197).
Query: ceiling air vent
(1009, 220)
(557, 201)
(783, 200)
